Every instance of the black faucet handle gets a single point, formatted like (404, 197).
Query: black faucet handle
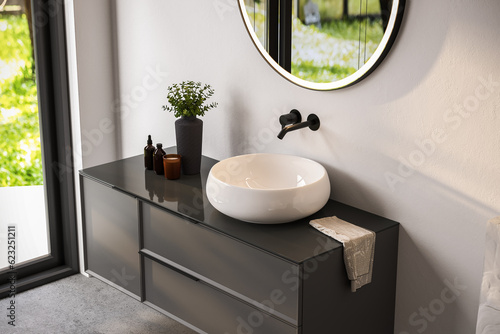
(293, 117)
(313, 121)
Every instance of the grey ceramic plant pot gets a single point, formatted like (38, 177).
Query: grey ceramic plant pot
(189, 136)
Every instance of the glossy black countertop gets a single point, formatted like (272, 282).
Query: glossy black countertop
(296, 241)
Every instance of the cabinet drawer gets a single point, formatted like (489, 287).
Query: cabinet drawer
(256, 277)
(112, 236)
(207, 309)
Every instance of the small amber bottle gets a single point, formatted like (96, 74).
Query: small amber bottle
(149, 150)
(158, 159)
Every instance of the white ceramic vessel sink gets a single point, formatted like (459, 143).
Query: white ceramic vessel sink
(268, 188)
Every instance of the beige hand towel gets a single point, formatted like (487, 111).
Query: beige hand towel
(359, 247)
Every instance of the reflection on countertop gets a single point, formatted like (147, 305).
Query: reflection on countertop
(188, 196)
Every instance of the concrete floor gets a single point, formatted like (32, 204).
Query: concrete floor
(78, 304)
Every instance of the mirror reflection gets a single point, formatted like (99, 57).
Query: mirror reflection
(320, 41)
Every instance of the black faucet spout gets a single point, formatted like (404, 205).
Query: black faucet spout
(292, 127)
(312, 123)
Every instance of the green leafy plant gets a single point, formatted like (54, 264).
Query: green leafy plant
(188, 99)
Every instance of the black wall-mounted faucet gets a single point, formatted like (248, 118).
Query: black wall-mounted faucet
(294, 119)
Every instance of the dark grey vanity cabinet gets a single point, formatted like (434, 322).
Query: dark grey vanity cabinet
(162, 242)
(112, 236)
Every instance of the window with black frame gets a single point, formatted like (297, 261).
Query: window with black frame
(37, 219)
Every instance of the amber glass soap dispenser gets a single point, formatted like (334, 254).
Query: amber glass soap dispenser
(149, 150)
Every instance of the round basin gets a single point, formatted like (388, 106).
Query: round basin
(268, 188)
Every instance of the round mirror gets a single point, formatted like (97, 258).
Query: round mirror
(323, 44)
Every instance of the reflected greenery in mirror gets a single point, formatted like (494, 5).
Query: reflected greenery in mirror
(325, 44)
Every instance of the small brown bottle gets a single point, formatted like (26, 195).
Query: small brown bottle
(158, 159)
(149, 150)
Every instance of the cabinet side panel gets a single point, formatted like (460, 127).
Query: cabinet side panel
(111, 233)
(329, 306)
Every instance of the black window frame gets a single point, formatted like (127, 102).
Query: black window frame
(279, 26)
(55, 132)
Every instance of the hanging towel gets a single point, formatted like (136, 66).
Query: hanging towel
(359, 247)
(488, 318)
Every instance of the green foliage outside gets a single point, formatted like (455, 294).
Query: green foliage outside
(353, 30)
(20, 149)
(334, 51)
(333, 9)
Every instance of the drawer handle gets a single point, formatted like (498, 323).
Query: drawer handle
(169, 266)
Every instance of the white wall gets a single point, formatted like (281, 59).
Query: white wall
(407, 110)
(97, 81)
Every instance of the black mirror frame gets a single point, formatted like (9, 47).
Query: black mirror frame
(393, 26)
